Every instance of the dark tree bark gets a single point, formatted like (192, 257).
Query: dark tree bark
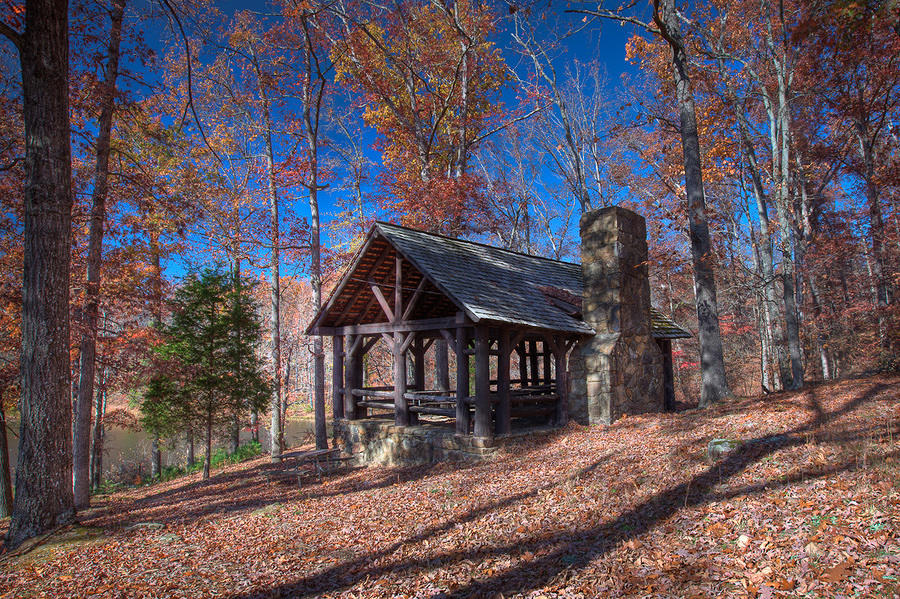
(6, 494)
(235, 434)
(43, 496)
(91, 310)
(712, 363)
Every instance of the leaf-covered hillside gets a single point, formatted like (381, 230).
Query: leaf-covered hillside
(806, 508)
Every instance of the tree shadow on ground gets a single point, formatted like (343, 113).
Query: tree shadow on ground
(575, 549)
(252, 488)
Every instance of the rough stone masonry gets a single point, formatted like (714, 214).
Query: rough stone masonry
(619, 370)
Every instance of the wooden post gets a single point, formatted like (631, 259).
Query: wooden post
(337, 376)
(533, 366)
(483, 427)
(523, 365)
(462, 381)
(547, 374)
(562, 384)
(401, 410)
(504, 409)
(352, 378)
(418, 354)
(441, 365)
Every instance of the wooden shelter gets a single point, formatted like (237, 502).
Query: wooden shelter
(488, 305)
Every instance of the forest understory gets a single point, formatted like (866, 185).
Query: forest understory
(806, 507)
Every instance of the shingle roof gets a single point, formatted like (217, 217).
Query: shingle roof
(495, 284)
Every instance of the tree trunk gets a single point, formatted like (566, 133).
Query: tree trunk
(155, 457)
(98, 434)
(208, 458)
(254, 425)
(312, 102)
(6, 494)
(782, 204)
(235, 434)
(43, 497)
(763, 347)
(155, 454)
(763, 249)
(883, 290)
(286, 392)
(91, 311)
(191, 458)
(277, 432)
(237, 405)
(712, 363)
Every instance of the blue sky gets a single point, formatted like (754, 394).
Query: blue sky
(603, 41)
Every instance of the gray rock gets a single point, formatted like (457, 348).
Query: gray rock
(168, 538)
(720, 447)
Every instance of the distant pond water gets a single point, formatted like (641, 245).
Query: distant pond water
(127, 451)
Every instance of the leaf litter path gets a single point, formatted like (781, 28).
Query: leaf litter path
(807, 507)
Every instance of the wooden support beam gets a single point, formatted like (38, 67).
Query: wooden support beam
(442, 363)
(411, 305)
(516, 338)
(382, 301)
(401, 410)
(533, 362)
(483, 428)
(523, 364)
(353, 343)
(372, 393)
(418, 353)
(451, 343)
(546, 355)
(408, 338)
(415, 410)
(427, 324)
(428, 342)
(504, 412)
(352, 376)
(462, 381)
(337, 377)
(369, 344)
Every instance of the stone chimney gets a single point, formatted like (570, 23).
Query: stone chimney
(619, 370)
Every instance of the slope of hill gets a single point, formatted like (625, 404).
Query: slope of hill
(806, 507)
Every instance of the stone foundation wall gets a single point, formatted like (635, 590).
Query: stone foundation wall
(381, 442)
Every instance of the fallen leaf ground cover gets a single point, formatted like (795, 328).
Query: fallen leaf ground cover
(807, 507)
